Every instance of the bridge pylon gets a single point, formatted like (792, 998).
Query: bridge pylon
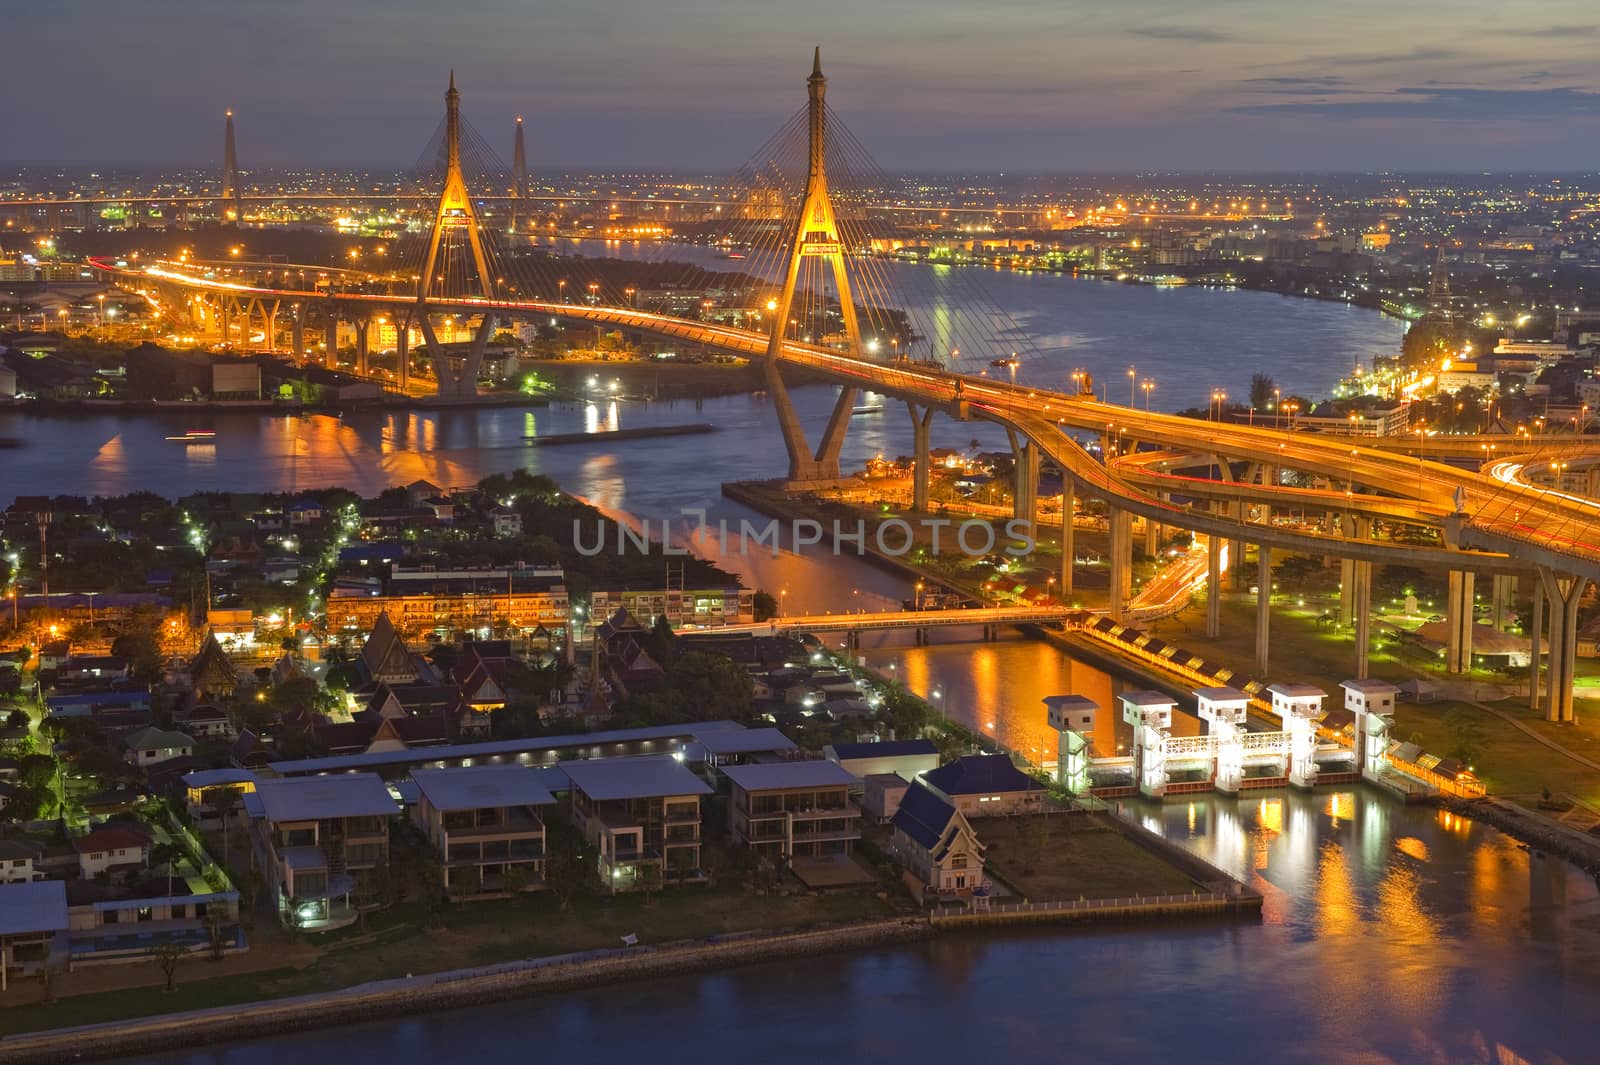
(232, 209)
(815, 235)
(519, 178)
(457, 378)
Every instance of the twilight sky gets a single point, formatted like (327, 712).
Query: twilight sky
(979, 85)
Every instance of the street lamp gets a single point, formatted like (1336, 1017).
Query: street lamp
(1148, 386)
(1130, 385)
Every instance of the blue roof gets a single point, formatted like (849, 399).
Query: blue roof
(886, 749)
(211, 778)
(980, 774)
(316, 798)
(605, 779)
(745, 741)
(35, 906)
(923, 815)
(464, 788)
(775, 775)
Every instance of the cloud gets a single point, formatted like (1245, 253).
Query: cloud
(1586, 30)
(1445, 104)
(1194, 35)
(1326, 85)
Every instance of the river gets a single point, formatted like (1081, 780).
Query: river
(1390, 934)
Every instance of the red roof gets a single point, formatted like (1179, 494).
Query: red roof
(114, 838)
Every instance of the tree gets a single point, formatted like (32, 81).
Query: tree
(169, 854)
(18, 719)
(766, 606)
(168, 955)
(1262, 388)
(141, 652)
(214, 937)
(514, 880)
(36, 771)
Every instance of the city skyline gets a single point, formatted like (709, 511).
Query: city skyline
(1022, 86)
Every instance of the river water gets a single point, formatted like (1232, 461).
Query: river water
(1391, 934)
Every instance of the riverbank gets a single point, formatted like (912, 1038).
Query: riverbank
(476, 986)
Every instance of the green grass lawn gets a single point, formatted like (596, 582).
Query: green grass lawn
(1510, 762)
(1049, 857)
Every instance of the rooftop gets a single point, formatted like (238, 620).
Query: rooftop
(923, 815)
(698, 730)
(37, 906)
(785, 775)
(212, 778)
(980, 774)
(1222, 695)
(604, 779)
(154, 738)
(1147, 698)
(886, 749)
(481, 786)
(316, 798)
(1369, 685)
(746, 741)
(1071, 702)
(1297, 691)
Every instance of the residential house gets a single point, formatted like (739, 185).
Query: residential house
(209, 792)
(881, 794)
(786, 810)
(305, 512)
(110, 847)
(78, 669)
(318, 837)
(150, 745)
(507, 521)
(643, 816)
(404, 733)
(31, 915)
(736, 746)
(935, 842)
(907, 758)
(18, 858)
(205, 723)
(484, 822)
(984, 785)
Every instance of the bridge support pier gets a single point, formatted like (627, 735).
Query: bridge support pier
(402, 351)
(1363, 605)
(1458, 619)
(1151, 538)
(1347, 592)
(1213, 587)
(1536, 637)
(269, 321)
(1068, 548)
(1121, 563)
(297, 333)
(363, 328)
(1502, 597)
(1564, 594)
(1263, 605)
(456, 383)
(920, 470)
(1025, 483)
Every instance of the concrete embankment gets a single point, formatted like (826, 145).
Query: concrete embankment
(1580, 848)
(462, 987)
(469, 987)
(643, 432)
(1131, 910)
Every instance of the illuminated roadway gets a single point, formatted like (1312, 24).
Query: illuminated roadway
(1496, 525)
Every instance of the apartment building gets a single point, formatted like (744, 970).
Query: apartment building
(643, 816)
(486, 824)
(786, 810)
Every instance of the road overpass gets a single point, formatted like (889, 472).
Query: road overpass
(1472, 522)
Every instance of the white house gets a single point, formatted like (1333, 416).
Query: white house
(108, 847)
(151, 745)
(935, 843)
